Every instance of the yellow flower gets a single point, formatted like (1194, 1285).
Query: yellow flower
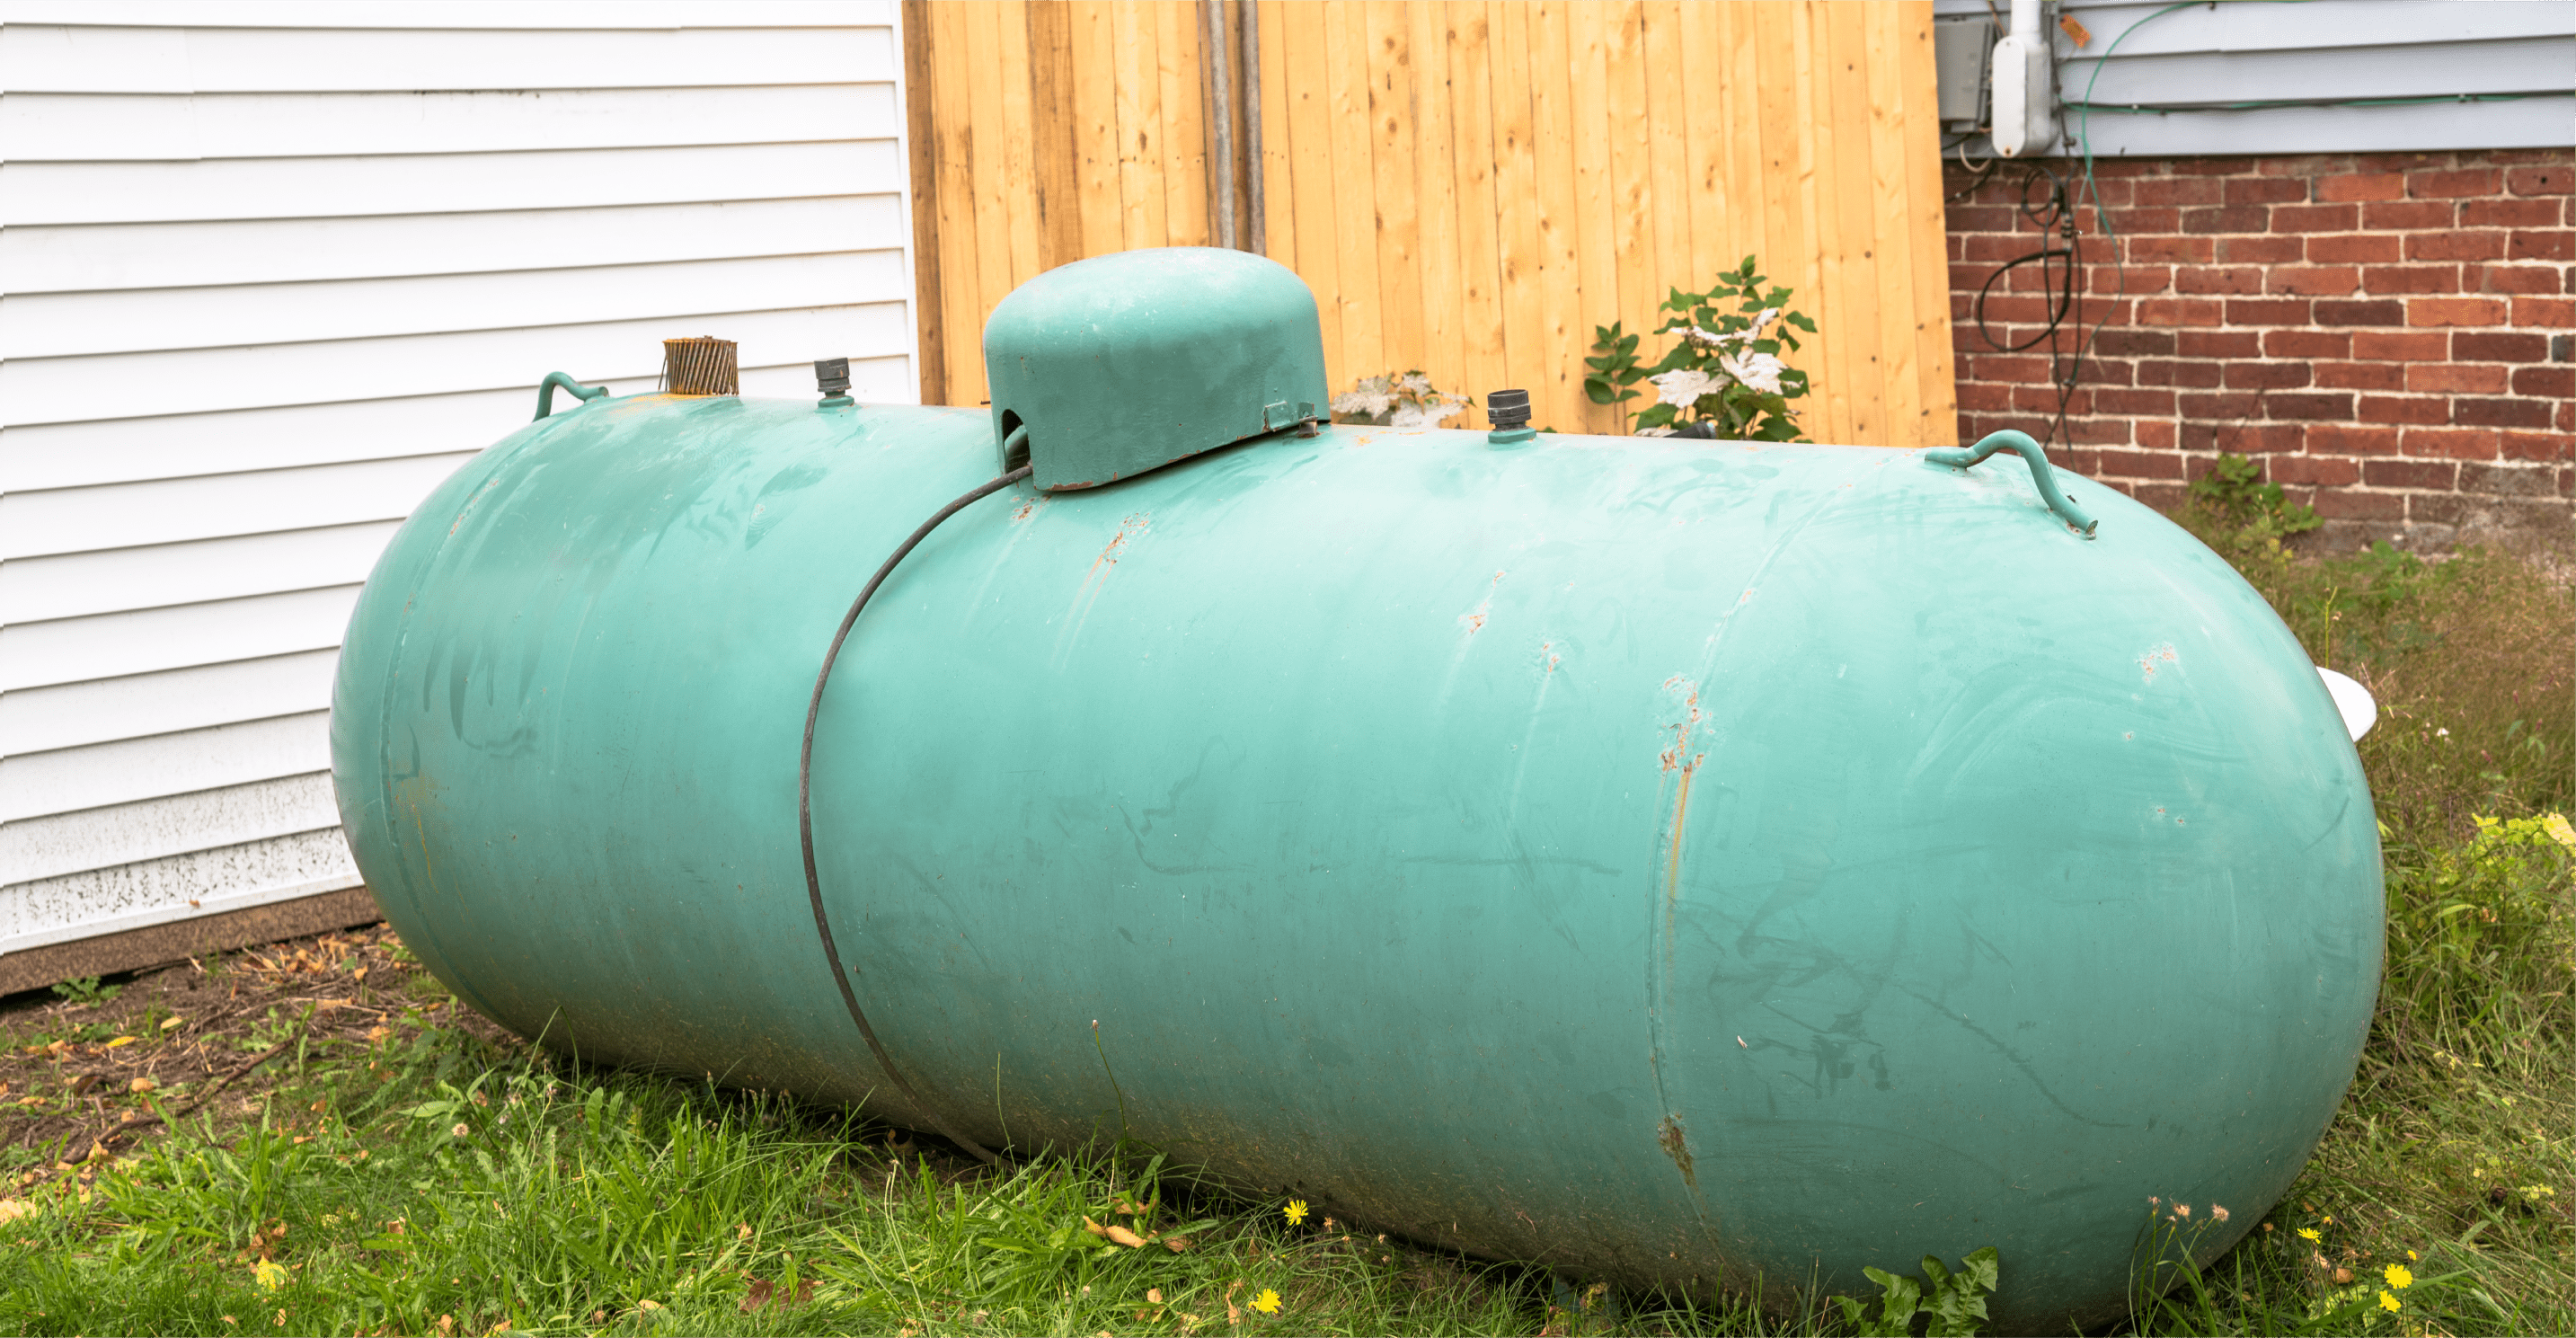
(1267, 1302)
(1296, 1211)
(2308, 1233)
(270, 1273)
(2412, 1255)
(2388, 1302)
(2399, 1276)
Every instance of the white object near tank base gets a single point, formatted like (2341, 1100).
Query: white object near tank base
(2360, 710)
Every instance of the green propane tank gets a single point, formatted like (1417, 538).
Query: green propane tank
(1677, 861)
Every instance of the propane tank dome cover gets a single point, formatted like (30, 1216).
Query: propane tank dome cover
(1124, 363)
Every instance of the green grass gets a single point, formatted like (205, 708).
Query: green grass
(433, 1179)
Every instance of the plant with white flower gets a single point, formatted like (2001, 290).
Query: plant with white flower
(1724, 378)
(1398, 400)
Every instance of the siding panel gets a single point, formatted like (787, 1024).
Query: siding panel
(36, 259)
(2318, 77)
(272, 270)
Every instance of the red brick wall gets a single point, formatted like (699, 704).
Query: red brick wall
(2389, 333)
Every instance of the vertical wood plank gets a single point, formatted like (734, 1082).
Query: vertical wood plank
(1788, 164)
(1055, 132)
(1140, 127)
(921, 133)
(1017, 184)
(1391, 168)
(960, 269)
(1934, 419)
(1437, 172)
(1891, 262)
(1566, 338)
(1747, 154)
(1345, 71)
(1632, 184)
(1467, 27)
(1667, 117)
(1595, 190)
(1178, 37)
(992, 149)
(1094, 38)
(1848, 182)
(1312, 185)
(1702, 76)
(1518, 265)
(1279, 183)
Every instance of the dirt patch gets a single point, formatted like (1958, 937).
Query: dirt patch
(87, 1074)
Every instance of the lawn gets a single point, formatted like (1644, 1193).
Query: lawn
(317, 1137)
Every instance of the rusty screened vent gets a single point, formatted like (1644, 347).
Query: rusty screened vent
(700, 367)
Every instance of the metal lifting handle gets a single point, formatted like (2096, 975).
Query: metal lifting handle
(546, 392)
(1961, 457)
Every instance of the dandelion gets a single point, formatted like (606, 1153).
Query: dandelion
(1267, 1302)
(2399, 1276)
(2388, 1302)
(1296, 1211)
(2412, 1255)
(2217, 1213)
(2182, 1210)
(270, 1273)
(459, 1131)
(2309, 1233)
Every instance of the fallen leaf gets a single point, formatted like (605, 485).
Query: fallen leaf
(1154, 1295)
(762, 1292)
(1123, 1236)
(1094, 1227)
(169, 1022)
(648, 1305)
(82, 1084)
(13, 1209)
(141, 1085)
(1176, 1244)
(121, 1040)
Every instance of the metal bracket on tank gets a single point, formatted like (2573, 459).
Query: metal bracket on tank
(1960, 457)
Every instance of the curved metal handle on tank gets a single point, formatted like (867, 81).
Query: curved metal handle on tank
(2020, 442)
(546, 392)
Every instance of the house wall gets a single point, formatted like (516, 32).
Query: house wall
(268, 272)
(2389, 333)
(1471, 188)
(2346, 231)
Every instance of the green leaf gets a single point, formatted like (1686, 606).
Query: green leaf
(1796, 319)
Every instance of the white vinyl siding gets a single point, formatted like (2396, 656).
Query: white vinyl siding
(272, 269)
(2326, 76)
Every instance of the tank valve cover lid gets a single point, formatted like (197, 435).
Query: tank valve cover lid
(1127, 362)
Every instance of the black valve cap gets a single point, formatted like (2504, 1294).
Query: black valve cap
(1507, 409)
(832, 375)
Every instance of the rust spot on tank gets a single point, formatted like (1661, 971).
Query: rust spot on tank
(2155, 658)
(1677, 1147)
(1128, 529)
(1024, 510)
(1474, 619)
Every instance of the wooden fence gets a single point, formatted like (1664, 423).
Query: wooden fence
(1470, 188)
